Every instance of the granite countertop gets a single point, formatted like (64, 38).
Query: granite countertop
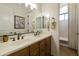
(13, 46)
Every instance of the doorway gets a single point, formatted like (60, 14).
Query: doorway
(63, 24)
(63, 31)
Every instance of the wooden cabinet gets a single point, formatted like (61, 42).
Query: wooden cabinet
(22, 52)
(41, 48)
(45, 47)
(48, 46)
(34, 49)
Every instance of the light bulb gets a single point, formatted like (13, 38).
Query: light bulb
(26, 5)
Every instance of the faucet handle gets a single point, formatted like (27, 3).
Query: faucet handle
(13, 39)
(22, 37)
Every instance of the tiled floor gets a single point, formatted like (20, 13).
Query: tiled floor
(65, 51)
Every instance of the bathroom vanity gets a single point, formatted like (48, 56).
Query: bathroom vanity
(29, 46)
(41, 48)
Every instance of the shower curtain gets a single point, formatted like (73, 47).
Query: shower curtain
(72, 25)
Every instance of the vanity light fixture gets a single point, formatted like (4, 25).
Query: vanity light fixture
(32, 5)
(26, 5)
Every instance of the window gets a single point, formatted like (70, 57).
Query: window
(64, 9)
(64, 13)
(62, 17)
(66, 16)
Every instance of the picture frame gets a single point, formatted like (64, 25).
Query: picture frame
(19, 22)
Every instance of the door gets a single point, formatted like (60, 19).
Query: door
(42, 47)
(34, 49)
(45, 47)
(48, 46)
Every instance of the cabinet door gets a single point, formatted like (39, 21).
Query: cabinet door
(48, 46)
(42, 47)
(23, 52)
(34, 49)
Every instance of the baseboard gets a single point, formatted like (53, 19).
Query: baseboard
(64, 45)
(62, 41)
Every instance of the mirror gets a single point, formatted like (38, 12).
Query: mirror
(26, 24)
(39, 22)
(23, 23)
(42, 22)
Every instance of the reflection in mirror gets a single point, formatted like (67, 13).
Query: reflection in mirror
(42, 22)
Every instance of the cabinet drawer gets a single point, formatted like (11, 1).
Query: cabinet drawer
(34, 52)
(45, 47)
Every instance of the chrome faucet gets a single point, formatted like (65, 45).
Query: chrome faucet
(37, 33)
(13, 39)
(18, 37)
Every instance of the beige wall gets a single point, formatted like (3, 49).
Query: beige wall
(7, 12)
(52, 10)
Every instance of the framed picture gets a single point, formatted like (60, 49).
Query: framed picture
(19, 22)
